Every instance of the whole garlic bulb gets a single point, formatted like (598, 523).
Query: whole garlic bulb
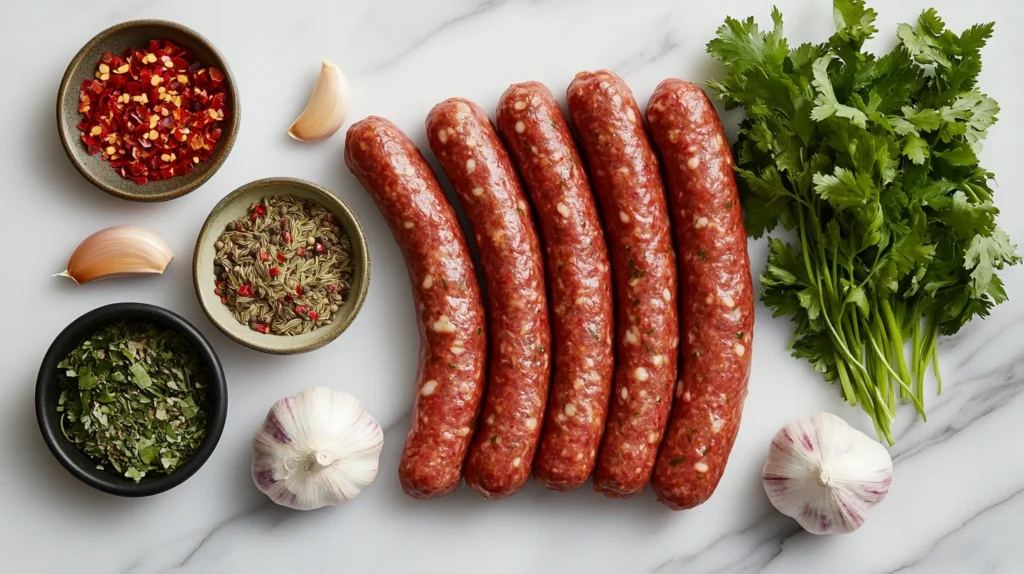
(318, 448)
(826, 474)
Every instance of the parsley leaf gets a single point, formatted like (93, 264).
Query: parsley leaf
(872, 162)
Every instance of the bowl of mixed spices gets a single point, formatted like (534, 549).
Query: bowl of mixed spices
(148, 110)
(131, 399)
(281, 265)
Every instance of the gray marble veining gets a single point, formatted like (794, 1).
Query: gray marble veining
(955, 504)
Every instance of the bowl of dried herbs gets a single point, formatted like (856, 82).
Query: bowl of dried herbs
(281, 265)
(131, 399)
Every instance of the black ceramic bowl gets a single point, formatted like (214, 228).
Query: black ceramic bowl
(47, 393)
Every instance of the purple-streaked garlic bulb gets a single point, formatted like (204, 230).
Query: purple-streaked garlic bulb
(318, 448)
(826, 474)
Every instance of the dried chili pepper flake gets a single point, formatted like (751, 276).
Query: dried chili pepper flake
(313, 316)
(301, 309)
(261, 328)
(264, 256)
(274, 271)
(216, 75)
(141, 103)
(245, 290)
(302, 251)
(281, 257)
(298, 290)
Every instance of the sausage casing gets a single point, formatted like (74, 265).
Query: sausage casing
(624, 174)
(453, 349)
(717, 296)
(578, 273)
(519, 368)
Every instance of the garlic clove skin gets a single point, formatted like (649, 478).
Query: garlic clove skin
(327, 107)
(116, 252)
(825, 474)
(318, 448)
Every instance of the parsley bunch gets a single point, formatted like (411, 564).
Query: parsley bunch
(873, 163)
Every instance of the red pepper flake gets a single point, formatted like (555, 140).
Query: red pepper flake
(301, 309)
(274, 271)
(264, 256)
(245, 290)
(262, 328)
(281, 257)
(302, 251)
(258, 212)
(298, 289)
(313, 315)
(152, 113)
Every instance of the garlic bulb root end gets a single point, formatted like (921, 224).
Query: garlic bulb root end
(317, 448)
(825, 474)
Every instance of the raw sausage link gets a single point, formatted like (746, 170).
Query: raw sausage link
(539, 140)
(519, 366)
(718, 301)
(624, 173)
(453, 346)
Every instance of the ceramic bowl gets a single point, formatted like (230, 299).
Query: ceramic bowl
(83, 67)
(48, 393)
(237, 205)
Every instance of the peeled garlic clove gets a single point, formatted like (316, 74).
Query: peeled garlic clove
(118, 251)
(326, 109)
(318, 448)
(826, 474)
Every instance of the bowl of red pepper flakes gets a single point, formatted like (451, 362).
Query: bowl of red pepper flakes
(148, 110)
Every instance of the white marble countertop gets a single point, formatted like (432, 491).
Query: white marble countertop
(956, 501)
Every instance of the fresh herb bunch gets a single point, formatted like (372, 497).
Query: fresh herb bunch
(132, 398)
(874, 163)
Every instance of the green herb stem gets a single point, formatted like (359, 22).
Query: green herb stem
(873, 162)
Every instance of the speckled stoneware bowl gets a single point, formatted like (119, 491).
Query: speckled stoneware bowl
(83, 66)
(237, 205)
